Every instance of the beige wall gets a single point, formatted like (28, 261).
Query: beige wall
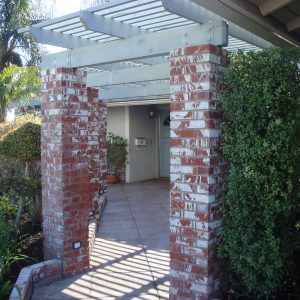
(131, 122)
(116, 121)
(142, 159)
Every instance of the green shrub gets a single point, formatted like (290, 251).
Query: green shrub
(14, 189)
(5, 246)
(26, 187)
(9, 166)
(261, 143)
(8, 127)
(116, 152)
(8, 208)
(9, 255)
(23, 144)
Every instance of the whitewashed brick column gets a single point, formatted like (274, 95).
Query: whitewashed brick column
(196, 165)
(64, 160)
(97, 128)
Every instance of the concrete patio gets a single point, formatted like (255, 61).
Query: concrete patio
(130, 257)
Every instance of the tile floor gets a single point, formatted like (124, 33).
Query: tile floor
(131, 253)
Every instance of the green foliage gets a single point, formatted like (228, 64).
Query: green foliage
(18, 84)
(15, 14)
(10, 167)
(5, 289)
(116, 152)
(5, 245)
(22, 144)
(8, 127)
(26, 187)
(261, 143)
(8, 208)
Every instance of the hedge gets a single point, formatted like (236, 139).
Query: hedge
(261, 143)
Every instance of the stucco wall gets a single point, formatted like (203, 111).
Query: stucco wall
(131, 122)
(116, 120)
(142, 160)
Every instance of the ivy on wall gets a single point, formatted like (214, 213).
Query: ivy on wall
(261, 142)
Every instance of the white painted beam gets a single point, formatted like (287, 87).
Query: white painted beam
(201, 14)
(247, 15)
(140, 101)
(293, 24)
(131, 64)
(131, 75)
(270, 6)
(130, 93)
(139, 47)
(109, 26)
(50, 37)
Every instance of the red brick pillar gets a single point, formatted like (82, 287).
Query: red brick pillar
(196, 165)
(65, 178)
(97, 129)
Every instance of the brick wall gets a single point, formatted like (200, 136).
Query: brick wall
(64, 162)
(97, 128)
(196, 166)
(34, 276)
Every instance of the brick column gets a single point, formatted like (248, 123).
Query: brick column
(97, 129)
(65, 178)
(196, 165)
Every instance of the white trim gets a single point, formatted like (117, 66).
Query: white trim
(109, 26)
(130, 75)
(138, 47)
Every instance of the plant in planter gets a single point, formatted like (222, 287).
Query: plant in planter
(116, 156)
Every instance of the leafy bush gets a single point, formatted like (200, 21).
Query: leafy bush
(9, 255)
(261, 143)
(23, 144)
(19, 146)
(8, 208)
(8, 127)
(26, 187)
(116, 152)
(9, 166)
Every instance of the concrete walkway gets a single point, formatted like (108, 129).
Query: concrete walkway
(131, 253)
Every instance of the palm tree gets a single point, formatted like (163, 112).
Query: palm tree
(15, 48)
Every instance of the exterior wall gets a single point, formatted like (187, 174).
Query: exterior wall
(130, 122)
(116, 121)
(142, 160)
(196, 166)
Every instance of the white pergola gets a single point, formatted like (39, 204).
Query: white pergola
(112, 40)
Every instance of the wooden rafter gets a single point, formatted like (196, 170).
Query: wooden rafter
(269, 6)
(293, 24)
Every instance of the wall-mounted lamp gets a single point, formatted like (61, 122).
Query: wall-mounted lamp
(151, 112)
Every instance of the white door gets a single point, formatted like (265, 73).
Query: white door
(164, 143)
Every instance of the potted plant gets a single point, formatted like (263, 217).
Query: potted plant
(116, 156)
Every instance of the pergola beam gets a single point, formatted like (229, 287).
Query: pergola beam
(131, 75)
(200, 14)
(293, 24)
(139, 47)
(247, 15)
(109, 26)
(50, 37)
(126, 65)
(270, 6)
(129, 93)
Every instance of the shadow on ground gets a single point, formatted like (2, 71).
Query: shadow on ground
(130, 257)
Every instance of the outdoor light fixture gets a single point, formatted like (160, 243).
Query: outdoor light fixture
(151, 112)
(76, 245)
